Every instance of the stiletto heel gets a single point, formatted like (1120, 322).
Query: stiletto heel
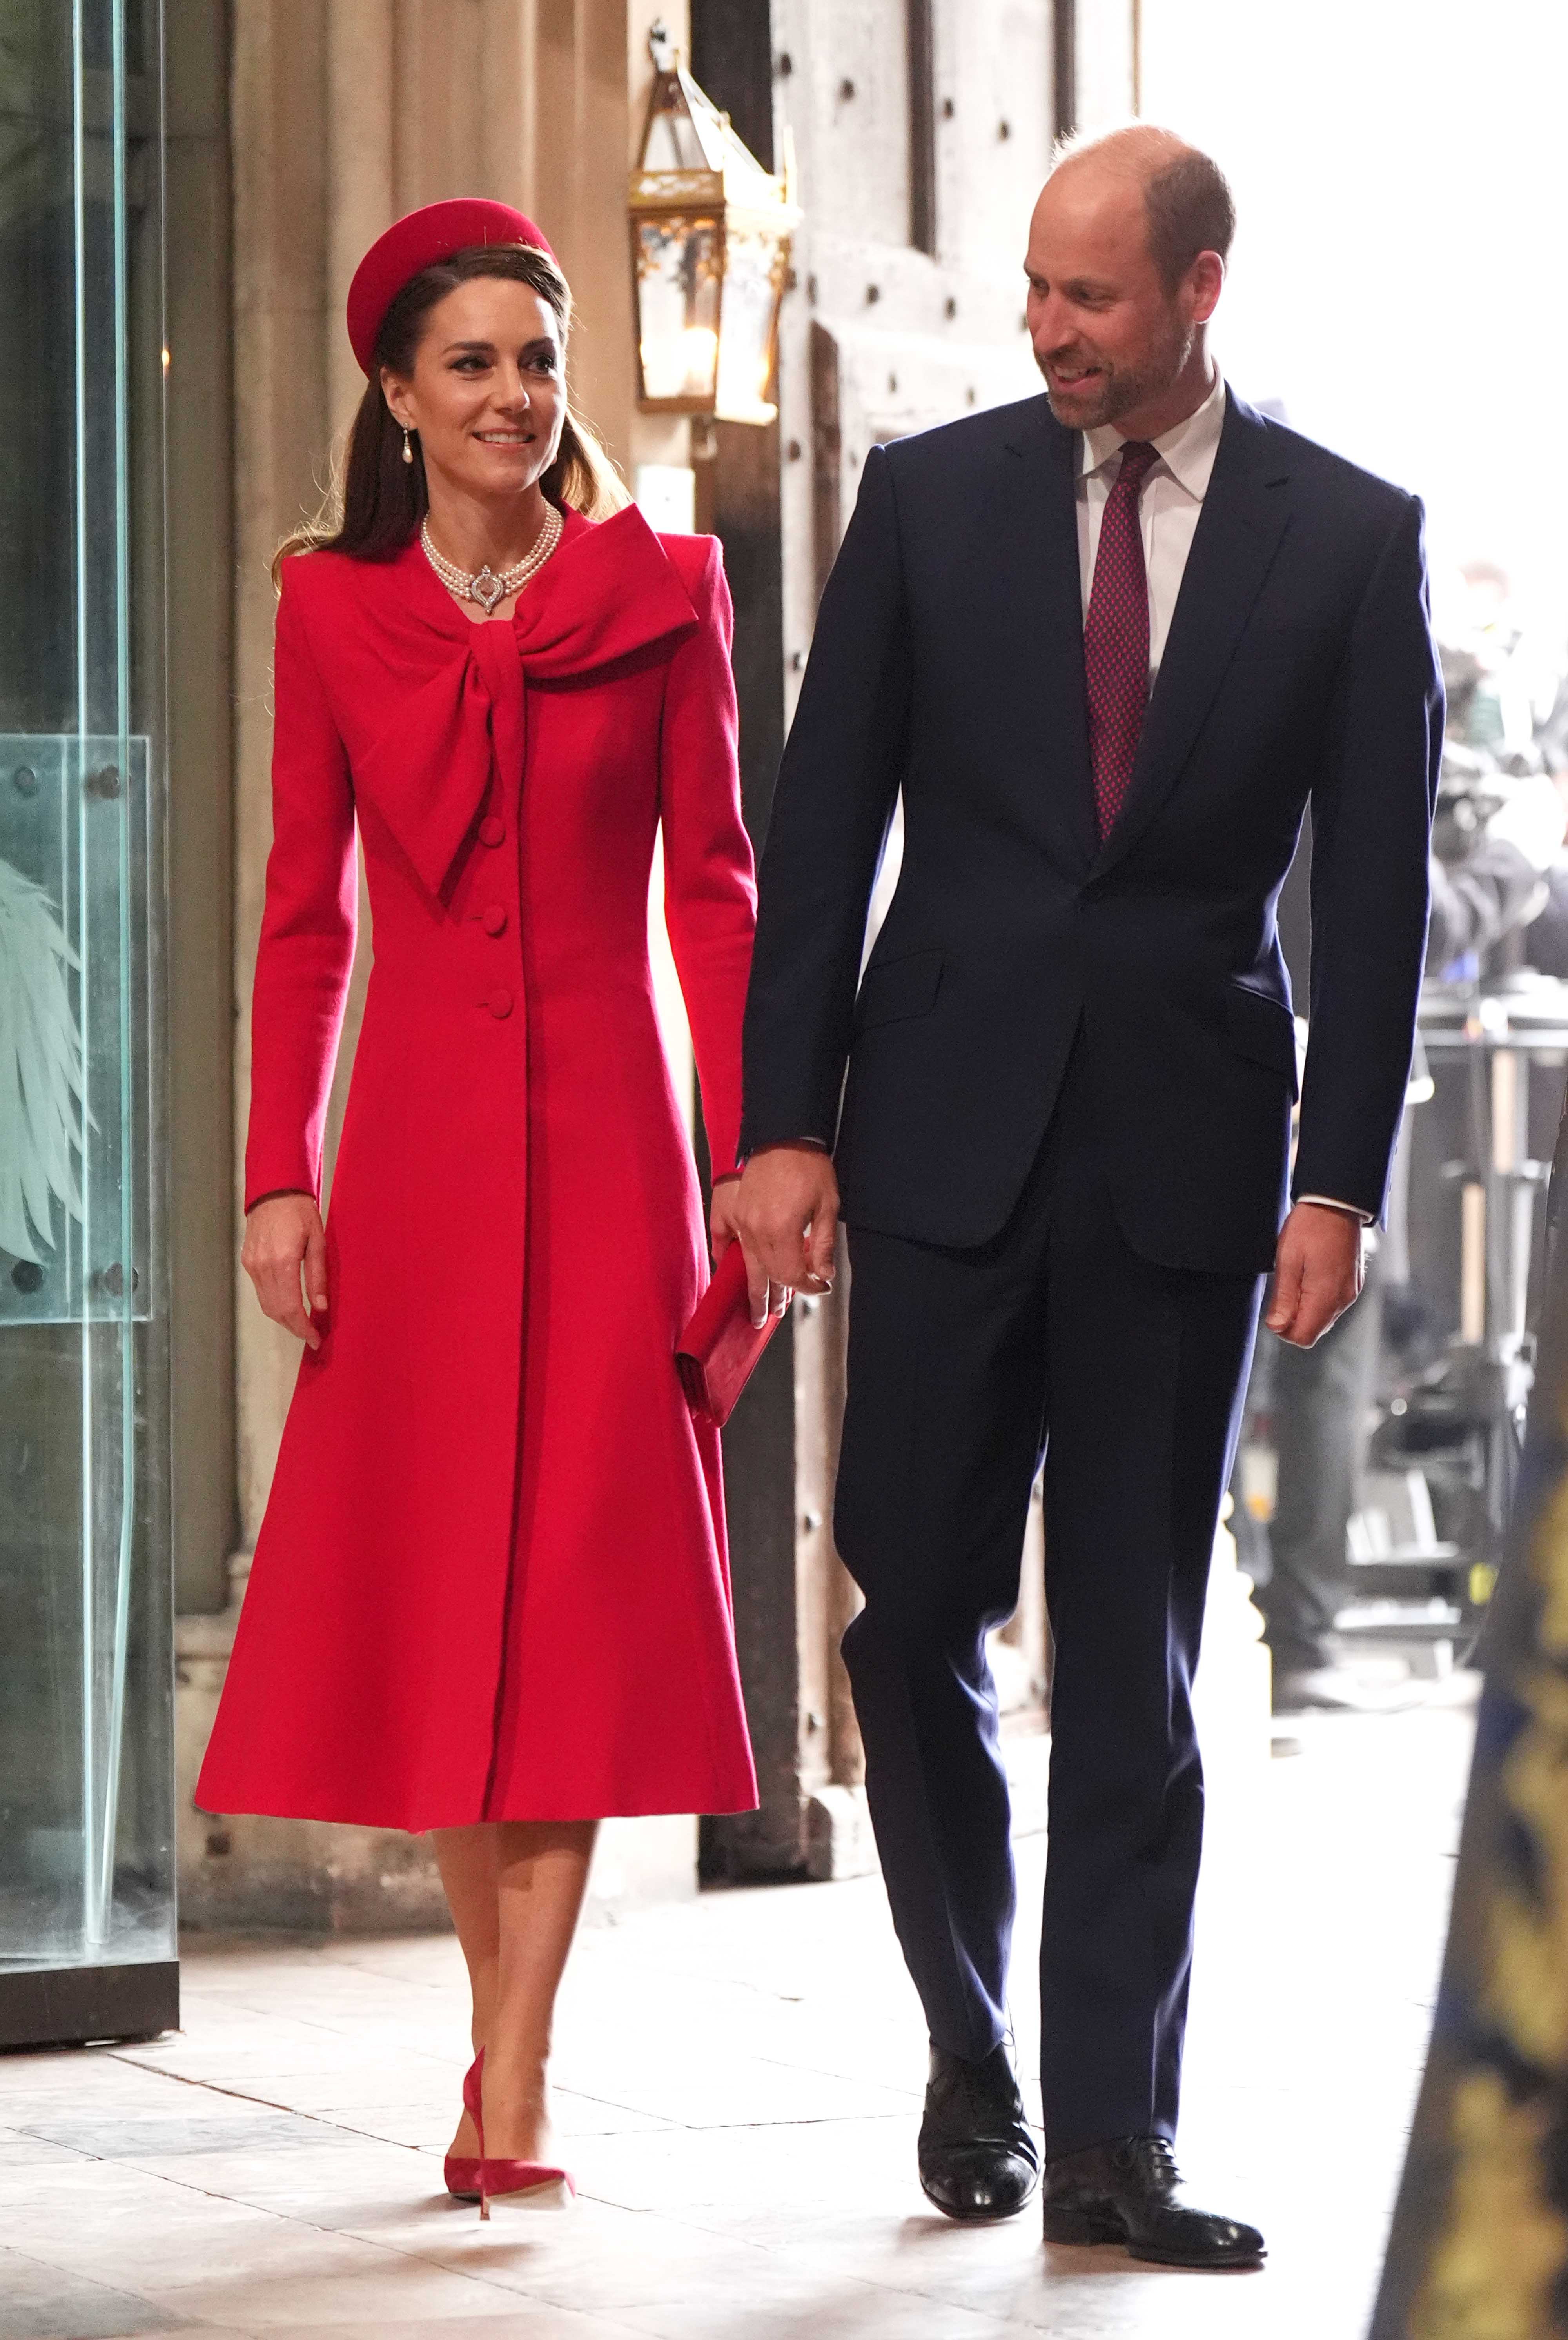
(461, 2170)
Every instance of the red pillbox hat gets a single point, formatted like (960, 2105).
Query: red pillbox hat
(418, 241)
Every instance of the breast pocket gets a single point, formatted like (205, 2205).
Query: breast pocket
(898, 989)
(1261, 1029)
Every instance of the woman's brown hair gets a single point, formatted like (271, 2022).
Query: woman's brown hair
(376, 501)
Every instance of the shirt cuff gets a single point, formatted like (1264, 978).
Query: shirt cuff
(1331, 1202)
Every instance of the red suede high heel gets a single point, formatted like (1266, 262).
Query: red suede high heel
(515, 2184)
(461, 2170)
(525, 2186)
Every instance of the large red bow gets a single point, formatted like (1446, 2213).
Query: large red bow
(605, 594)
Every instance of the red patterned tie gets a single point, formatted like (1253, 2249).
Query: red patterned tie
(1116, 639)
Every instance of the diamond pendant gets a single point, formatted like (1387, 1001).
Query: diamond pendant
(487, 588)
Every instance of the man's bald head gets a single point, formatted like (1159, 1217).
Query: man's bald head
(1188, 204)
(1125, 264)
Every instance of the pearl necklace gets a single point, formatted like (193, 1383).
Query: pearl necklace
(487, 589)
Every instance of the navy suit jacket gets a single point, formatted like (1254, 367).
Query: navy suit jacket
(947, 662)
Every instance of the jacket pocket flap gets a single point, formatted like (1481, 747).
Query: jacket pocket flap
(898, 989)
(1262, 1029)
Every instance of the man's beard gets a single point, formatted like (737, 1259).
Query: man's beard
(1122, 391)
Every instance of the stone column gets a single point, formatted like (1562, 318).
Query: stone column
(280, 136)
(360, 172)
(198, 187)
(360, 203)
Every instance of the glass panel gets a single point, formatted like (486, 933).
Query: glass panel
(85, 1628)
(678, 269)
(74, 1027)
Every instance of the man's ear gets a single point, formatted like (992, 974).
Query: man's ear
(1206, 281)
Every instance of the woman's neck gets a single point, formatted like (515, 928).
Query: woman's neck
(493, 533)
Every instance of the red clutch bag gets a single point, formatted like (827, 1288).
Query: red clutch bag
(720, 1347)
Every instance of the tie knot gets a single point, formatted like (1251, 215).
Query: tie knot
(1137, 457)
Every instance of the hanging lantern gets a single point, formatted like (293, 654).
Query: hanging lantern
(710, 252)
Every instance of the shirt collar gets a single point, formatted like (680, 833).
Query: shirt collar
(1187, 452)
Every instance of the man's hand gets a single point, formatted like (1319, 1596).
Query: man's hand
(722, 1217)
(1317, 1273)
(786, 1219)
(284, 1236)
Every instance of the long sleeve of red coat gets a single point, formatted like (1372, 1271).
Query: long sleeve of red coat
(307, 943)
(710, 889)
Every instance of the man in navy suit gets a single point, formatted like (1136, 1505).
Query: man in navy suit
(1107, 643)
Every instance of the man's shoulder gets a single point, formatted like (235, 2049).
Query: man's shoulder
(974, 438)
(1319, 467)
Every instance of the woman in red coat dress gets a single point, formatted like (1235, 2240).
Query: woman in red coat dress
(490, 1597)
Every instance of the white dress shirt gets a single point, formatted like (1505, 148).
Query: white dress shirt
(1168, 510)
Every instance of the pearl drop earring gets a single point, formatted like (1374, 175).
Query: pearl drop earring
(408, 451)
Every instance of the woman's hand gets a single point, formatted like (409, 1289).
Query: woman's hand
(283, 1235)
(724, 1226)
(786, 1222)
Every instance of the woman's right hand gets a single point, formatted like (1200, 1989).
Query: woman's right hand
(283, 1237)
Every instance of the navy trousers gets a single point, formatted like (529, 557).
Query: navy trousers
(964, 1368)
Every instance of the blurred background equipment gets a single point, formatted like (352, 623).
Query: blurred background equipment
(1379, 1467)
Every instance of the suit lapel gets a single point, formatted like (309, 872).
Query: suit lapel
(1245, 514)
(1037, 615)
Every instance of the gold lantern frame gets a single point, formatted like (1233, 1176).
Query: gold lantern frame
(710, 233)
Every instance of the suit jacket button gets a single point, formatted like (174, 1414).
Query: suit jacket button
(491, 829)
(500, 1004)
(495, 918)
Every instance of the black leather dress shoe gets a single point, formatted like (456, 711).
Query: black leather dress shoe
(1130, 2192)
(978, 2157)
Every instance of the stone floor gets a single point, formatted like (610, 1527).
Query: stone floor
(739, 2087)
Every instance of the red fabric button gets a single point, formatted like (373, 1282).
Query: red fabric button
(491, 829)
(500, 1003)
(495, 919)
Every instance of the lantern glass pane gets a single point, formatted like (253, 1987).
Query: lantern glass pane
(678, 308)
(745, 347)
(672, 143)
